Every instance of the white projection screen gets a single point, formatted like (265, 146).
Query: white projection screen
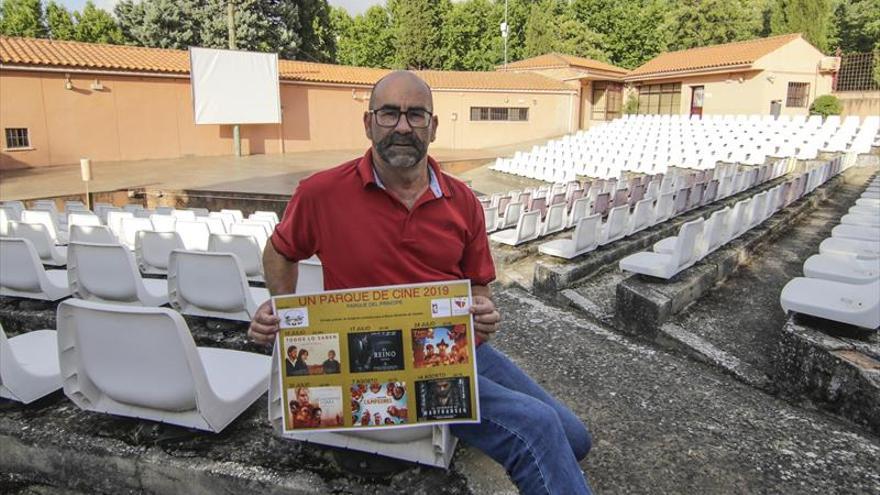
(234, 87)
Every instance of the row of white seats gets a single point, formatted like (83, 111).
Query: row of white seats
(630, 149)
(842, 282)
(143, 363)
(136, 362)
(701, 237)
(210, 284)
(645, 213)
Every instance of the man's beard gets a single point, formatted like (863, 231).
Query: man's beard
(399, 157)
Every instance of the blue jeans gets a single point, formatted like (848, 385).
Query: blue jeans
(537, 439)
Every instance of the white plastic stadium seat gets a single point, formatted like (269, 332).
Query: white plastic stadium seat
(92, 233)
(310, 276)
(855, 304)
(271, 215)
(432, 445)
(130, 229)
(555, 219)
(108, 273)
(22, 274)
(163, 223)
(862, 220)
(114, 221)
(527, 228)
(153, 249)
(862, 249)
(491, 215)
(193, 234)
(584, 239)
(847, 268)
(29, 365)
(143, 363)
(215, 224)
(235, 214)
(668, 265)
(243, 246)
(859, 232)
(46, 218)
(258, 232)
(615, 226)
(512, 212)
(49, 253)
(212, 285)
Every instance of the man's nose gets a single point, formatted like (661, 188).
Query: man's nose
(403, 126)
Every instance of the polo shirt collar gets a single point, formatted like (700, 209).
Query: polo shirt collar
(436, 181)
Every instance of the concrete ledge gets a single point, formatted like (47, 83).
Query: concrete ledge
(552, 275)
(645, 303)
(836, 365)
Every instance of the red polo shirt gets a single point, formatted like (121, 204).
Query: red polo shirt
(366, 237)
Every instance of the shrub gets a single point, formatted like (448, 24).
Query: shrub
(826, 105)
(631, 105)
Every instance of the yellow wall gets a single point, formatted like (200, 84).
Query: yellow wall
(752, 91)
(137, 118)
(861, 103)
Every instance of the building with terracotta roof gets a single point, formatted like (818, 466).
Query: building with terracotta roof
(780, 74)
(599, 85)
(63, 100)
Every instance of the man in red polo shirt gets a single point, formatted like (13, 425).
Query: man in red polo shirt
(392, 217)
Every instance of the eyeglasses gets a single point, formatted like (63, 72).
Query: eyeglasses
(389, 117)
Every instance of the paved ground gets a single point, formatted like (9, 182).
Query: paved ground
(666, 424)
(751, 335)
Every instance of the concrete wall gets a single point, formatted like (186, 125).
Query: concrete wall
(550, 114)
(861, 103)
(139, 118)
(797, 61)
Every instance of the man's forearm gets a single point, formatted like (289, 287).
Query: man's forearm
(280, 273)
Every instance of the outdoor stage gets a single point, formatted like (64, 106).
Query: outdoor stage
(257, 174)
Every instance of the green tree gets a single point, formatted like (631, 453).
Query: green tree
(696, 23)
(857, 24)
(367, 41)
(633, 31)
(812, 18)
(318, 39)
(60, 22)
(471, 36)
(554, 27)
(417, 31)
(22, 18)
(96, 25)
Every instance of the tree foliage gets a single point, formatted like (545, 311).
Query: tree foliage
(96, 25)
(812, 18)
(857, 25)
(695, 23)
(60, 22)
(22, 18)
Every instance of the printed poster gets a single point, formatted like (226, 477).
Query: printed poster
(379, 357)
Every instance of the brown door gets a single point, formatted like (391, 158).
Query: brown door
(697, 100)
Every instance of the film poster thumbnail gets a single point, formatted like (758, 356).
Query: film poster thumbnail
(375, 351)
(439, 346)
(312, 354)
(443, 398)
(376, 403)
(315, 407)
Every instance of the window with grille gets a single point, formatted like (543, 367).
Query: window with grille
(607, 100)
(797, 94)
(17, 137)
(660, 99)
(500, 114)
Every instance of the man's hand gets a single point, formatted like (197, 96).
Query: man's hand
(486, 317)
(264, 326)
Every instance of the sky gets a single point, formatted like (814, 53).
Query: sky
(352, 6)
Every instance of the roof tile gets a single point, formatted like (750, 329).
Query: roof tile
(42, 52)
(557, 60)
(712, 57)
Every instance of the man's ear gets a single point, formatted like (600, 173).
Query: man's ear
(368, 129)
(434, 123)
